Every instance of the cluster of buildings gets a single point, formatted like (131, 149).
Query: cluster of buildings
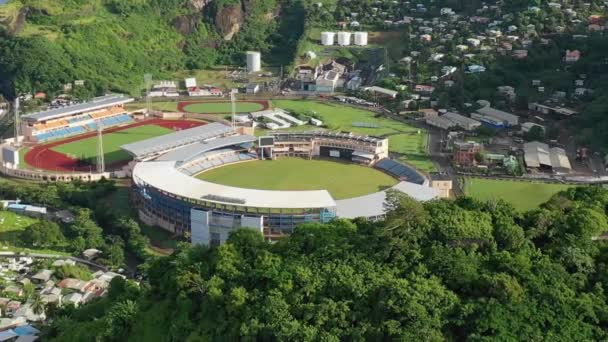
(18, 312)
(325, 78)
(171, 89)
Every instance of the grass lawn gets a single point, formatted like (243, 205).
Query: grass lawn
(11, 226)
(87, 148)
(403, 138)
(223, 107)
(342, 180)
(522, 195)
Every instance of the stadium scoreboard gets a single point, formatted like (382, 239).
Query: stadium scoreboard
(266, 141)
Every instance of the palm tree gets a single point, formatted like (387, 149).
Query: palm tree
(37, 305)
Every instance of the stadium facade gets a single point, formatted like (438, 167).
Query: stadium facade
(167, 194)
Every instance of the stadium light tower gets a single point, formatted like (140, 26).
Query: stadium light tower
(233, 105)
(148, 81)
(101, 167)
(16, 122)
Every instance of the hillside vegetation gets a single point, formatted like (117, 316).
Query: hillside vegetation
(460, 270)
(112, 43)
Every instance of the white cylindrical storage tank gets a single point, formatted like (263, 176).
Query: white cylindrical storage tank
(254, 63)
(343, 38)
(361, 38)
(327, 38)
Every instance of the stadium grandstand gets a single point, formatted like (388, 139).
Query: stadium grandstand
(167, 195)
(58, 123)
(347, 146)
(154, 147)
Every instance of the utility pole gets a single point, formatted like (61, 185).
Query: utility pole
(101, 167)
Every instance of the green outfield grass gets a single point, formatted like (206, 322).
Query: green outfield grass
(522, 195)
(86, 149)
(342, 180)
(403, 138)
(222, 107)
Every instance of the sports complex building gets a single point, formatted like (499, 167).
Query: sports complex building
(167, 158)
(167, 194)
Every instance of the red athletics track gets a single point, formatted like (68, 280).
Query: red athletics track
(183, 104)
(43, 157)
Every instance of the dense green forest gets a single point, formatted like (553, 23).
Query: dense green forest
(442, 270)
(111, 44)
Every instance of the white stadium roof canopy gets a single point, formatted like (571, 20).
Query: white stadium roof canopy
(94, 104)
(372, 205)
(172, 141)
(163, 176)
(190, 152)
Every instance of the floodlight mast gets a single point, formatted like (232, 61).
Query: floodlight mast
(148, 82)
(233, 106)
(101, 167)
(17, 124)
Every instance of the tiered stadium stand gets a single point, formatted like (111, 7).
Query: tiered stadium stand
(400, 171)
(216, 158)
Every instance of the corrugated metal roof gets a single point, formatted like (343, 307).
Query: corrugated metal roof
(499, 114)
(190, 152)
(171, 141)
(94, 104)
(162, 175)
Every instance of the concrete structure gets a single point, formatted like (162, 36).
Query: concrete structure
(344, 38)
(327, 38)
(254, 61)
(464, 152)
(360, 38)
(443, 183)
(539, 156)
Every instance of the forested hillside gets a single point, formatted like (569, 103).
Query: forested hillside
(435, 271)
(112, 43)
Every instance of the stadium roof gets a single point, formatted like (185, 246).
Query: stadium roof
(162, 175)
(350, 136)
(171, 141)
(372, 205)
(190, 152)
(94, 104)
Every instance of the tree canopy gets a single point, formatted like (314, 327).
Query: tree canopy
(440, 270)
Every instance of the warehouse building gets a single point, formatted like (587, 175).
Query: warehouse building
(496, 118)
(540, 157)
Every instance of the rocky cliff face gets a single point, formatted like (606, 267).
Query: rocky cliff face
(229, 21)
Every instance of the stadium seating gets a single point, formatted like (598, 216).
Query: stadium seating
(400, 171)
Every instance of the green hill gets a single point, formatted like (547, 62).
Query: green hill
(111, 44)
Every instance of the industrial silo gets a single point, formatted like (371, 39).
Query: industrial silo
(254, 63)
(327, 38)
(343, 38)
(361, 38)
